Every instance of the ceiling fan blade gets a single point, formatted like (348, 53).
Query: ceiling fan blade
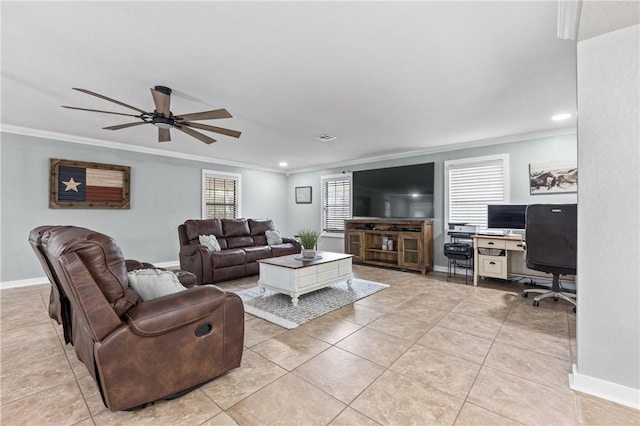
(164, 135)
(97, 110)
(197, 135)
(124, 126)
(205, 115)
(228, 132)
(89, 92)
(162, 101)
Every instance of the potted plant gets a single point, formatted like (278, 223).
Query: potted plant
(308, 239)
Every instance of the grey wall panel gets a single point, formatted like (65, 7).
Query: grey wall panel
(608, 321)
(521, 154)
(164, 192)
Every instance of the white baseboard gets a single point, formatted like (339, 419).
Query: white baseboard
(172, 264)
(610, 391)
(438, 268)
(24, 283)
(169, 265)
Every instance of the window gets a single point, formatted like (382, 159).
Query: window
(336, 202)
(220, 195)
(471, 184)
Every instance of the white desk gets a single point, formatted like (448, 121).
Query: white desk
(499, 264)
(510, 262)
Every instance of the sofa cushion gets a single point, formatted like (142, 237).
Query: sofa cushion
(273, 237)
(210, 242)
(194, 228)
(229, 257)
(153, 283)
(256, 253)
(239, 242)
(259, 226)
(235, 228)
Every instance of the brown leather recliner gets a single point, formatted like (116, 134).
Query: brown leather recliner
(59, 307)
(138, 351)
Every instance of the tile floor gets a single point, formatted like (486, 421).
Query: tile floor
(423, 351)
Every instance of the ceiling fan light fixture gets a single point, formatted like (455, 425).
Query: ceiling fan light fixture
(163, 122)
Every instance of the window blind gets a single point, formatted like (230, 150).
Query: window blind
(471, 187)
(336, 203)
(221, 197)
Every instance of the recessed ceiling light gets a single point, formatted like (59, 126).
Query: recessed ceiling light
(283, 164)
(325, 137)
(560, 117)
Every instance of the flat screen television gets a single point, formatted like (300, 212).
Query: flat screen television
(506, 216)
(402, 192)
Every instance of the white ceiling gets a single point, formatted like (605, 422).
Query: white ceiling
(386, 78)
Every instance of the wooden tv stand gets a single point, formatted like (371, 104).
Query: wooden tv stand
(411, 243)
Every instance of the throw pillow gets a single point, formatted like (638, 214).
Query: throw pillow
(152, 283)
(210, 242)
(273, 237)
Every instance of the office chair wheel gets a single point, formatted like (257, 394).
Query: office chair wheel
(525, 294)
(555, 299)
(536, 303)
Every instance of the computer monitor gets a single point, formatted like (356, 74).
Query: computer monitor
(510, 217)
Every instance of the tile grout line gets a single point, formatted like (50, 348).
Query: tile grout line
(466, 398)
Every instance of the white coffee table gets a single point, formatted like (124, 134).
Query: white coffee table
(293, 277)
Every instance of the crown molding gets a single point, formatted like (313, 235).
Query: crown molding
(568, 19)
(154, 151)
(25, 131)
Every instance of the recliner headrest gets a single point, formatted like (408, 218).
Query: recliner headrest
(100, 254)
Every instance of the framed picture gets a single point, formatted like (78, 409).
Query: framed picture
(553, 177)
(81, 185)
(303, 195)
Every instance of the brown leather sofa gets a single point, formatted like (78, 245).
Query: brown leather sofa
(137, 351)
(242, 242)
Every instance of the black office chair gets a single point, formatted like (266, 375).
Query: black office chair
(551, 239)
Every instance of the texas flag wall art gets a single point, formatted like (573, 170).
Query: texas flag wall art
(77, 185)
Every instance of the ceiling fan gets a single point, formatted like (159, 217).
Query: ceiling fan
(164, 119)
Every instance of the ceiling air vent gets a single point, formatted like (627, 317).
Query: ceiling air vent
(325, 138)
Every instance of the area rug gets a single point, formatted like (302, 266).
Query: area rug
(277, 308)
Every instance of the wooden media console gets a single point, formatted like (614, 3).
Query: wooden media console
(404, 243)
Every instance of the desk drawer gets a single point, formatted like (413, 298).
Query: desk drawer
(515, 245)
(492, 266)
(491, 243)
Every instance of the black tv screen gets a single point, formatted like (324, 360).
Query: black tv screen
(394, 192)
(506, 216)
